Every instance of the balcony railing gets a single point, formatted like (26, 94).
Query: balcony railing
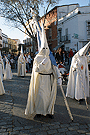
(88, 36)
(65, 38)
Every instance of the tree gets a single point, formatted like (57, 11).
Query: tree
(18, 13)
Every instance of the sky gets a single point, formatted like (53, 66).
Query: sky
(16, 34)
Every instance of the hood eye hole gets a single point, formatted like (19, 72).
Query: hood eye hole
(45, 48)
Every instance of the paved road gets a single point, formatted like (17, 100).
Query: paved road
(14, 122)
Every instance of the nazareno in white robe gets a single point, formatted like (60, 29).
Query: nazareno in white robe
(2, 91)
(1, 68)
(78, 74)
(7, 72)
(21, 66)
(43, 87)
(43, 83)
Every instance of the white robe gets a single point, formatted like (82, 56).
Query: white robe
(43, 88)
(21, 66)
(78, 80)
(2, 91)
(8, 72)
(1, 68)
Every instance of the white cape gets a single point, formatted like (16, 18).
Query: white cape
(78, 80)
(8, 72)
(43, 88)
(1, 68)
(2, 91)
(21, 66)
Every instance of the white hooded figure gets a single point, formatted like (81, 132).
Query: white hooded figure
(43, 83)
(1, 66)
(7, 72)
(2, 91)
(21, 64)
(78, 81)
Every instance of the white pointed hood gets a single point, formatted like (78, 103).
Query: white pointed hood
(44, 50)
(21, 49)
(83, 50)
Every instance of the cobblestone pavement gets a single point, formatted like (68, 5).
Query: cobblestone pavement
(14, 122)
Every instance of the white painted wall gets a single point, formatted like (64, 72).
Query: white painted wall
(76, 23)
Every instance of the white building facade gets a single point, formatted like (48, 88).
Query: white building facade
(74, 28)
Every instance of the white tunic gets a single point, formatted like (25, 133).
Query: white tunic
(1, 68)
(78, 81)
(43, 88)
(21, 66)
(8, 72)
(2, 91)
(43, 84)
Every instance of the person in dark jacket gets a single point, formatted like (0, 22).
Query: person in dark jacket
(59, 56)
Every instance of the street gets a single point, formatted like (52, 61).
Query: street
(14, 122)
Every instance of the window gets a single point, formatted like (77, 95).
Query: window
(50, 32)
(60, 34)
(66, 34)
(88, 28)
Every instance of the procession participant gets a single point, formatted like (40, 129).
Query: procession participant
(78, 81)
(21, 64)
(43, 84)
(2, 91)
(88, 60)
(1, 66)
(29, 61)
(4, 61)
(7, 72)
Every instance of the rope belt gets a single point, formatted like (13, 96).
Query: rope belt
(46, 74)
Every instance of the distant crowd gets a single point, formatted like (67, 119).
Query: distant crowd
(61, 56)
(13, 59)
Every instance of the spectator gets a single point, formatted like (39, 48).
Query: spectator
(59, 56)
(70, 56)
(27, 64)
(4, 61)
(12, 63)
(15, 60)
(29, 61)
(9, 56)
(74, 52)
(64, 57)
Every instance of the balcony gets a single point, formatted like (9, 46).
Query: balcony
(88, 36)
(65, 39)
